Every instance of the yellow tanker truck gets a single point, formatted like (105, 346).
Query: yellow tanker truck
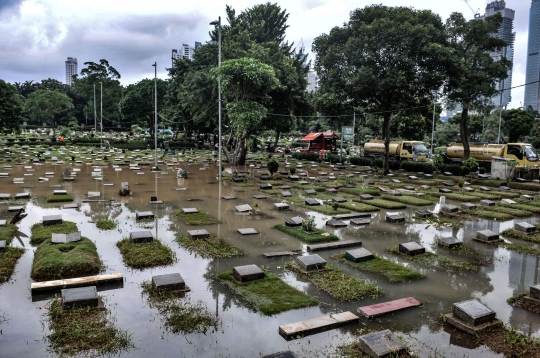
(523, 153)
(402, 150)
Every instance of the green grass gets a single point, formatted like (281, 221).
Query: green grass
(392, 271)
(359, 206)
(385, 204)
(105, 224)
(269, 295)
(360, 190)
(457, 196)
(181, 315)
(484, 195)
(530, 208)
(8, 260)
(339, 285)
(211, 247)
(354, 350)
(51, 198)
(409, 200)
(59, 261)
(512, 300)
(512, 234)
(198, 218)
(313, 237)
(84, 332)
(509, 209)
(8, 232)
(323, 209)
(317, 188)
(490, 214)
(436, 261)
(524, 249)
(145, 255)
(40, 233)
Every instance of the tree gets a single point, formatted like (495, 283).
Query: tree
(50, 106)
(472, 72)
(383, 59)
(11, 108)
(246, 83)
(517, 123)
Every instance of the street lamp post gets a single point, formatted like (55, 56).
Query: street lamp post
(218, 25)
(155, 114)
(95, 112)
(101, 122)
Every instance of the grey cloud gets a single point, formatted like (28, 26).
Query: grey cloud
(312, 4)
(10, 4)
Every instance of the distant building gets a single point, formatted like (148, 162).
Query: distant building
(185, 51)
(71, 69)
(505, 33)
(533, 58)
(312, 80)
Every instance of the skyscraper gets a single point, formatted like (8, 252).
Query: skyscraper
(533, 57)
(185, 51)
(71, 69)
(505, 33)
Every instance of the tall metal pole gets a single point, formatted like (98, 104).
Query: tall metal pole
(95, 112)
(101, 125)
(155, 114)
(500, 116)
(219, 100)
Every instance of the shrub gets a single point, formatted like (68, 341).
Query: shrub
(378, 163)
(312, 157)
(292, 169)
(360, 161)
(272, 166)
(424, 167)
(524, 186)
(455, 169)
(299, 144)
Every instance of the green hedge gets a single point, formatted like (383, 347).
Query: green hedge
(425, 167)
(455, 169)
(360, 161)
(299, 144)
(524, 186)
(312, 157)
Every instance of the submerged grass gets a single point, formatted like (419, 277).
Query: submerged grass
(84, 332)
(392, 271)
(181, 314)
(490, 214)
(524, 249)
(358, 206)
(439, 222)
(105, 224)
(198, 218)
(51, 198)
(512, 234)
(510, 343)
(339, 285)
(310, 237)
(385, 204)
(269, 295)
(40, 233)
(432, 260)
(59, 261)
(354, 350)
(8, 260)
(211, 247)
(530, 208)
(146, 254)
(409, 200)
(324, 209)
(8, 232)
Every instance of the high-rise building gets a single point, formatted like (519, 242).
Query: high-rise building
(71, 69)
(533, 58)
(312, 80)
(185, 51)
(505, 33)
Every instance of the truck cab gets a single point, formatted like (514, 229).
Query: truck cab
(413, 151)
(524, 154)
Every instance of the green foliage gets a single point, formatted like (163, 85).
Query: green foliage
(145, 255)
(390, 270)
(385, 204)
(11, 106)
(292, 169)
(360, 161)
(269, 295)
(137, 101)
(408, 200)
(105, 224)
(272, 166)
(49, 106)
(198, 218)
(311, 157)
(60, 261)
(8, 262)
(8, 232)
(40, 233)
(309, 224)
(311, 237)
(425, 167)
(517, 123)
(438, 161)
(211, 247)
(51, 198)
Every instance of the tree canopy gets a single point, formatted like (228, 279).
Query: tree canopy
(52, 107)
(11, 106)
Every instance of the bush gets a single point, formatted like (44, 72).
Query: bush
(312, 157)
(455, 169)
(299, 144)
(524, 186)
(425, 167)
(378, 163)
(361, 161)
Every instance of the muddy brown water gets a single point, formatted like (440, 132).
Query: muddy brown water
(242, 332)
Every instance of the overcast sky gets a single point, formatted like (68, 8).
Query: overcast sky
(38, 35)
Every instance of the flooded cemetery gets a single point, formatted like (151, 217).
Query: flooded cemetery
(103, 254)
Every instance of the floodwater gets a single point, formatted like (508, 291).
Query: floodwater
(241, 331)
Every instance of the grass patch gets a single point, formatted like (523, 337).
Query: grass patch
(514, 299)
(509, 210)
(439, 222)
(324, 209)
(59, 261)
(8, 232)
(489, 214)
(198, 218)
(510, 343)
(483, 195)
(530, 208)
(456, 196)
(8, 260)
(269, 295)
(84, 332)
(512, 234)
(392, 271)
(51, 198)
(385, 204)
(360, 190)
(311, 237)
(40, 233)
(353, 350)
(144, 255)
(211, 247)
(524, 249)
(435, 261)
(317, 188)
(105, 224)
(181, 314)
(339, 285)
(358, 206)
(409, 200)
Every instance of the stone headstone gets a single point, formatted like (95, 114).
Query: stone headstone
(22, 196)
(428, 176)
(338, 199)
(281, 206)
(468, 189)
(139, 215)
(336, 223)
(198, 234)
(468, 206)
(449, 242)
(449, 209)
(59, 192)
(535, 292)
(294, 221)
(2, 245)
(80, 297)
(381, 344)
(248, 273)
(312, 202)
(190, 210)
(393, 217)
(311, 192)
(244, 208)
(408, 187)
(486, 202)
(5, 196)
(448, 183)
(247, 231)
(472, 312)
(266, 186)
(294, 177)
(483, 188)
(168, 282)
(487, 236)
(52, 220)
(366, 197)
(360, 221)
(444, 190)
(524, 227)
(15, 208)
(396, 181)
(285, 187)
(286, 193)
(424, 214)
(418, 194)
(65, 238)
(359, 255)
(310, 262)
(137, 237)
(412, 177)
(411, 248)
(260, 196)
(508, 201)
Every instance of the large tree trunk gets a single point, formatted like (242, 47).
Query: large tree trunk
(464, 132)
(386, 137)
(243, 152)
(276, 140)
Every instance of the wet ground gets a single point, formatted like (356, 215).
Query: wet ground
(243, 332)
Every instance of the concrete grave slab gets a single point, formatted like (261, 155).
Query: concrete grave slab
(312, 202)
(266, 186)
(444, 190)
(534, 292)
(411, 248)
(468, 189)
(190, 210)
(248, 273)
(22, 196)
(2, 245)
(449, 209)
(412, 177)
(303, 182)
(70, 206)
(286, 193)
(483, 188)
(5, 196)
(360, 222)
(449, 242)
(408, 187)
(284, 354)
(423, 214)
(14, 208)
(138, 237)
(59, 192)
(425, 187)
(381, 344)
(285, 187)
(311, 192)
(448, 183)
(396, 181)
(79, 297)
(486, 202)
(331, 190)
(394, 217)
(294, 178)
(527, 197)
(315, 325)
(3, 222)
(281, 206)
(198, 234)
(524, 227)
(359, 255)
(247, 231)
(52, 220)
(418, 194)
(508, 201)
(243, 208)
(294, 221)
(448, 174)
(94, 194)
(228, 197)
(487, 236)
(366, 197)
(140, 215)
(260, 196)
(383, 308)
(336, 223)
(468, 206)
(310, 262)
(169, 282)
(338, 199)
(472, 312)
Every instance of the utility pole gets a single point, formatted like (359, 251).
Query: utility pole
(218, 24)
(155, 114)
(95, 112)
(101, 125)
